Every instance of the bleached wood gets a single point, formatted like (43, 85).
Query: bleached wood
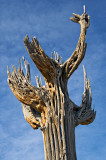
(49, 107)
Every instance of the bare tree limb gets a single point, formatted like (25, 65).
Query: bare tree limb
(23, 90)
(84, 114)
(42, 61)
(73, 62)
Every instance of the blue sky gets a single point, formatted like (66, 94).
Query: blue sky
(48, 20)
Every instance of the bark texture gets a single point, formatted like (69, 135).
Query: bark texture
(49, 107)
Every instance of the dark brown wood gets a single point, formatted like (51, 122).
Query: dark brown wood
(49, 107)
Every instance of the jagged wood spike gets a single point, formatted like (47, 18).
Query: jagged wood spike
(27, 68)
(58, 57)
(37, 81)
(14, 73)
(40, 81)
(85, 79)
(84, 9)
(62, 60)
(22, 72)
(14, 69)
(90, 92)
(19, 68)
(28, 73)
(55, 55)
(8, 72)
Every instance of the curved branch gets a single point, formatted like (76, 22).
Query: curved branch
(42, 61)
(23, 90)
(73, 62)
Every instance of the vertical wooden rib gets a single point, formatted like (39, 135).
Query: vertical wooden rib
(55, 141)
(48, 144)
(62, 125)
(51, 140)
(45, 147)
(69, 133)
(54, 128)
(58, 123)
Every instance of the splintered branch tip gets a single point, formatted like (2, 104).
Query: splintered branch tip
(84, 9)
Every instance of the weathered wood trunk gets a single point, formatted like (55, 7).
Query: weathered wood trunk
(59, 135)
(49, 107)
(54, 147)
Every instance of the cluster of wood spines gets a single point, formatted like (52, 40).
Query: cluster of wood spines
(56, 57)
(29, 95)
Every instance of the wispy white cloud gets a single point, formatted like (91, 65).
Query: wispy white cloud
(25, 146)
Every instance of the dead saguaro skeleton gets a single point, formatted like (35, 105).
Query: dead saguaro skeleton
(49, 107)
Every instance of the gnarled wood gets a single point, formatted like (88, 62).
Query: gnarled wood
(42, 61)
(49, 107)
(32, 116)
(84, 114)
